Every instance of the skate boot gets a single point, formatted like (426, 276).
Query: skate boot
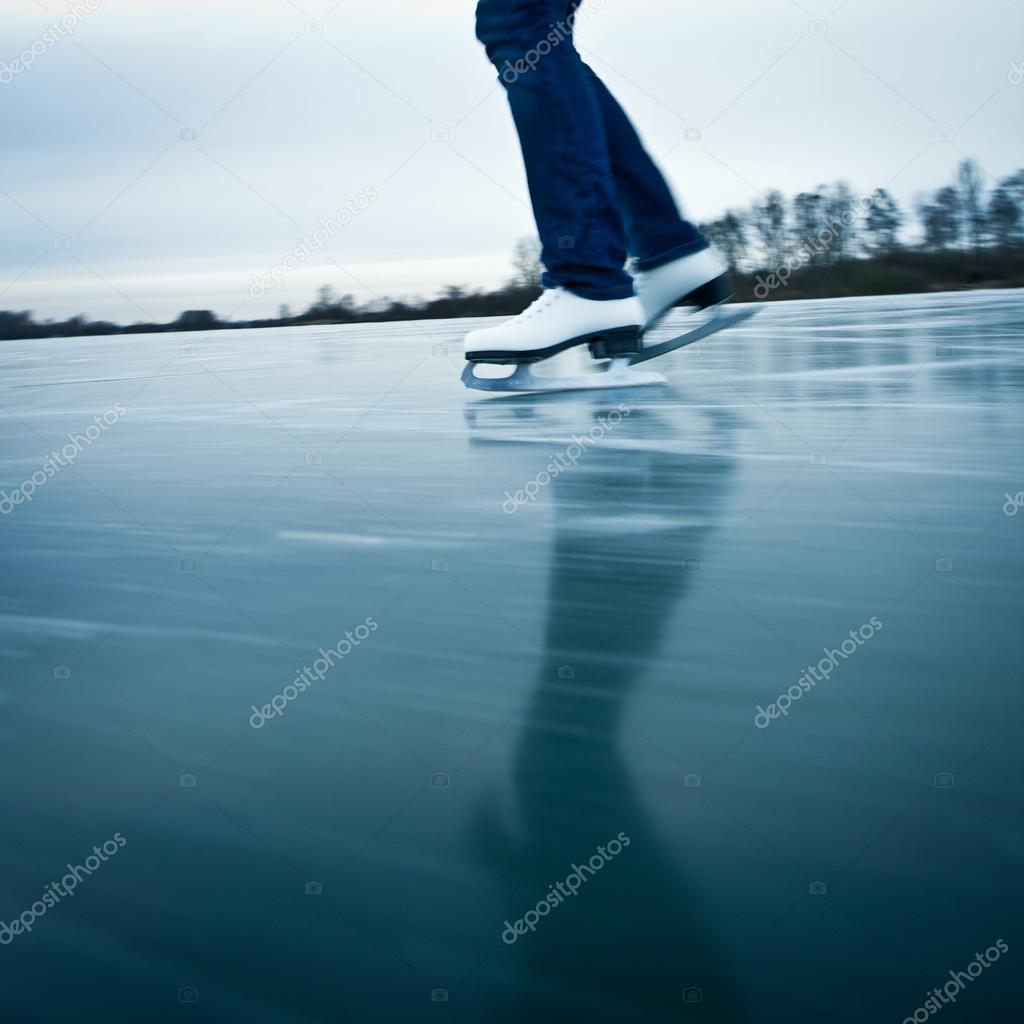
(557, 321)
(700, 279)
(560, 322)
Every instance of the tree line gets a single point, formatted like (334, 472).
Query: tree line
(831, 241)
(824, 243)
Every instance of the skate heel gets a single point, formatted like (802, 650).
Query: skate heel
(622, 341)
(714, 293)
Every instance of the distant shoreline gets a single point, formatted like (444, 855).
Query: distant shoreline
(825, 244)
(906, 272)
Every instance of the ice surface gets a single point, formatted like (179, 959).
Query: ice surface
(580, 602)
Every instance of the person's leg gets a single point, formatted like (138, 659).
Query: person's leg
(656, 232)
(565, 146)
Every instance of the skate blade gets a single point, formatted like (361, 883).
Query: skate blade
(614, 374)
(720, 319)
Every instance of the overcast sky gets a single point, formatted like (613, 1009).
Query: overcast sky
(110, 207)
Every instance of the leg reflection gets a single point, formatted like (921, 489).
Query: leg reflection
(632, 945)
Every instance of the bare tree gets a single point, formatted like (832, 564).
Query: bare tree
(729, 235)
(1005, 215)
(971, 189)
(808, 222)
(526, 263)
(941, 219)
(841, 216)
(882, 224)
(768, 219)
(326, 297)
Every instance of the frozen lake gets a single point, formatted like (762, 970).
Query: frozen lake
(528, 663)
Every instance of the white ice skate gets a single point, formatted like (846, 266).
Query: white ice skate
(556, 322)
(700, 281)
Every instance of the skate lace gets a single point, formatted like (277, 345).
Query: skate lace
(545, 301)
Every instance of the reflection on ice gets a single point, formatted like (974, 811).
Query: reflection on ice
(541, 681)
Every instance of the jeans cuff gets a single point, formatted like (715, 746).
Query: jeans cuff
(622, 291)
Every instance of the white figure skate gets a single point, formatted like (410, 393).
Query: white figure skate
(557, 322)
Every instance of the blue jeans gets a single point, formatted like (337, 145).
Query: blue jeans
(597, 195)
